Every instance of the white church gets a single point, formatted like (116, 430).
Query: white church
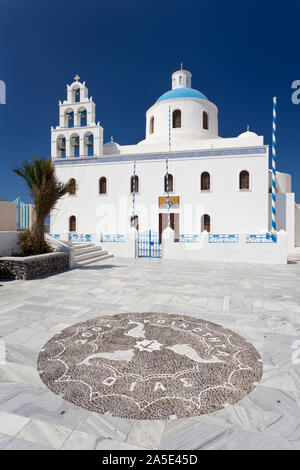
(183, 176)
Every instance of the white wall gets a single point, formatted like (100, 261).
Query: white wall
(285, 215)
(231, 210)
(242, 252)
(297, 226)
(9, 243)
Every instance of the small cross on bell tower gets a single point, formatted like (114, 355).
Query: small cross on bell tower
(76, 78)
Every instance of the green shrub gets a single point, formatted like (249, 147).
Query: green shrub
(31, 243)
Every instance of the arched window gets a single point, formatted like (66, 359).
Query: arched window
(72, 223)
(205, 223)
(77, 95)
(176, 118)
(244, 180)
(102, 185)
(170, 181)
(73, 187)
(134, 187)
(205, 120)
(134, 221)
(152, 125)
(205, 181)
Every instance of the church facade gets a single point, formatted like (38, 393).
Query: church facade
(182, 175)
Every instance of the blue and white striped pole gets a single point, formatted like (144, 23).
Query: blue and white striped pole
(133, 194)
(167, 169)
(274, 167)
(168, 194)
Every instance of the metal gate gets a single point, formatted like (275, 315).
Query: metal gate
(149, 244)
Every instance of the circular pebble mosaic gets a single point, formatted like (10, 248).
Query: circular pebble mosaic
(150, 366)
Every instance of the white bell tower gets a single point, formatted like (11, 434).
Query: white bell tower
(77, 135)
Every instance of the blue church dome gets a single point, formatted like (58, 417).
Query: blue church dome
(184, 92)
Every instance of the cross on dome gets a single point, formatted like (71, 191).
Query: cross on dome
(181, 66)
(76, 78)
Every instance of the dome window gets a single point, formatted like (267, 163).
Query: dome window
(176, 118)
(152, 125)
(205, 120)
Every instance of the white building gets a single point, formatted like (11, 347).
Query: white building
(221, 185)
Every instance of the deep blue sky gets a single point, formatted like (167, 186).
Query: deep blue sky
(241, 54)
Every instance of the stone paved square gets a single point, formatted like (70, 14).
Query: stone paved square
(259, 302)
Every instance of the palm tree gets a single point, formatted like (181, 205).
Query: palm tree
(45, 190)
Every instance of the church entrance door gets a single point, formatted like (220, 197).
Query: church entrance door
(174, 222)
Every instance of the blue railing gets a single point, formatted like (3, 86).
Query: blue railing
(56, 236)
(261, 238)
(116, 238)
(80, 237)
(189, 237)
(223, 238)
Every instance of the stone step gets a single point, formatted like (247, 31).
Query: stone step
(87, 249)
(76, 245)
(94, 260)
(87, 256)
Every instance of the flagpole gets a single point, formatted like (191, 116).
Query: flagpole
(274, 166)
(167, 169)
(133, 195)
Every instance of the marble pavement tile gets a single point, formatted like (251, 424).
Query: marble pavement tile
(282, 426)
(79, 440)
(107, 426)
(4, 440)
(276, 377)
(111, 444)
(20, 355)
(34, 402)
(278, 401)
(19, 444)
(294, 372)
(146, 433)
(11, 423)
(21, 374)
(193, 434)
(243, 440)
(41, 432)
(245, 416)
